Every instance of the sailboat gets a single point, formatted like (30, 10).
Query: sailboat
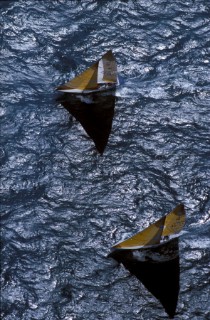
(158, 233)
(101, 76)
(152, 255)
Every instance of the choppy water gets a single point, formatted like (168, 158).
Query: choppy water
(64, 205)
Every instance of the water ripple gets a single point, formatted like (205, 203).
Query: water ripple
(63, 204)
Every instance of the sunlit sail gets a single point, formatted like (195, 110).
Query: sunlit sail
(170, 224)
(102, 75)
(174, 221)
(107, 69)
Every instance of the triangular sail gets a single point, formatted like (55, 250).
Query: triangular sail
(149, 236)
(175, 221)
(107, 68)
(87, 80)
(102, 71)
(169, 224)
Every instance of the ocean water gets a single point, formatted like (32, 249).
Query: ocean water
(63, 204)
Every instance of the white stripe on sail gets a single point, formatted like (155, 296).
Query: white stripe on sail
(100, 72)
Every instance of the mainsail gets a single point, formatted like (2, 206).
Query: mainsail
(147, 237)
(86, 80)
(103, 71)
(171, 223)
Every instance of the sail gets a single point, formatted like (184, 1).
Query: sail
(102, 71)
(174, 221)
(107, 69)
(149, 236)
(171, 223)
(87, 80)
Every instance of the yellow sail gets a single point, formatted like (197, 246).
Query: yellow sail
(87, 80)
(101, 72)
(108, 68)
(147, 237)
(171, 223)
(174, 221)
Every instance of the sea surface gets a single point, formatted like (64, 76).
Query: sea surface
(64, 204)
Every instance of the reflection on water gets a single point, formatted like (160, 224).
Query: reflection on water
(157, 268)
(95, 113)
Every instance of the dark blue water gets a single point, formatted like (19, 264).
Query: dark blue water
(63, 205)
